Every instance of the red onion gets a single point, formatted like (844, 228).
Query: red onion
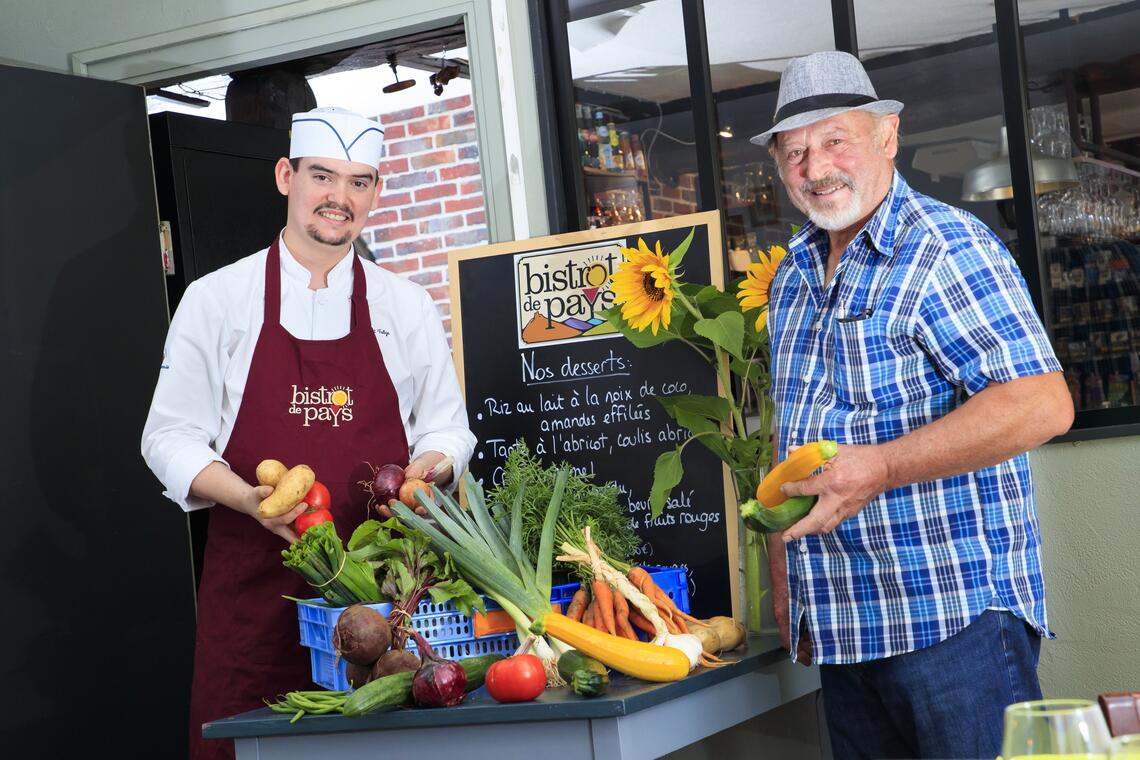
(386, 482)
(438, 682)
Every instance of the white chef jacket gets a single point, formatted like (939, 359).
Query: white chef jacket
(210, 345)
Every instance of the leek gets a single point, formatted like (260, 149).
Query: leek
(490, 557)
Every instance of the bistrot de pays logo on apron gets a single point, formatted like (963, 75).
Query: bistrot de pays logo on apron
(332, 405)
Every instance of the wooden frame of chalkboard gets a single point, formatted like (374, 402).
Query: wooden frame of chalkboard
(536, 363)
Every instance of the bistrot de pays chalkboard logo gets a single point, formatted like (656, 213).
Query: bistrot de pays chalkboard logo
(328, 405)
(562, 293)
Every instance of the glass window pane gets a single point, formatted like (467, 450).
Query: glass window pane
(749, 43)
(1084, 82)
(635, 120)
(941, 61)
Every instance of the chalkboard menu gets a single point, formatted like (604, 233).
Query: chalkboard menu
(539, 363)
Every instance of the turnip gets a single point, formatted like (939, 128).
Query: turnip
(361, 635)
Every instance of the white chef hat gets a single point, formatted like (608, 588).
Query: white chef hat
(336, 133)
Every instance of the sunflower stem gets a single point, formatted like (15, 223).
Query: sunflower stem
(720, 364)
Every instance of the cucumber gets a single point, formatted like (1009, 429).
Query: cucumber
(586, 676)
(394, 690)
(761, 519)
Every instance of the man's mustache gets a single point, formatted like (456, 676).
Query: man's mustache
(839, 178)
(335, 207)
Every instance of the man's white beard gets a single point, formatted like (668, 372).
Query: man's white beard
(838, 218)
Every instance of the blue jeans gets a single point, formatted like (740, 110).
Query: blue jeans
(945, 701)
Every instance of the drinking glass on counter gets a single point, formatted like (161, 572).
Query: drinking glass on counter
(1055, 728)
(1125, 748)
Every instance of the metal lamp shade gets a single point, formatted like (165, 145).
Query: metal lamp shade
(991, 181)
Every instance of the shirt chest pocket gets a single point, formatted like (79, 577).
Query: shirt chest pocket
(869, 362)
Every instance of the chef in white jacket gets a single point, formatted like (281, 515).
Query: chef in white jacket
(307, 354)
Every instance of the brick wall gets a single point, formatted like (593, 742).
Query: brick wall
(432, 200)
(667, 200)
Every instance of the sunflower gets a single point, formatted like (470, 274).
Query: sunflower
(643, 286)
(754, 287)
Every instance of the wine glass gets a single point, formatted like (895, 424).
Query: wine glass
(1125, 747)
(1068, 728)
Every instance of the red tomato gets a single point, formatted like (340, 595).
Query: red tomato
(311, 517)
(318, 496)
(516, 679)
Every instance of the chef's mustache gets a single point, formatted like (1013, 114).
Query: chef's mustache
(836, 178)
(335, 207)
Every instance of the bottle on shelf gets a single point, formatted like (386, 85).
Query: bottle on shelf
(638, 156)
(615, 147)
(627, 154)
(605, 152)
(594, 151)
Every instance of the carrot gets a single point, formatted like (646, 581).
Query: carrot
(639, 620)
(588, 615)
(578, 604)
(621, 617)
(605, 599)
(640, 578)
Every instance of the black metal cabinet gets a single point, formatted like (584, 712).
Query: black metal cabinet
(98, 598)
(216, 189)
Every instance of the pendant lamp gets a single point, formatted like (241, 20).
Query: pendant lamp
(991, 181)
(397, 85)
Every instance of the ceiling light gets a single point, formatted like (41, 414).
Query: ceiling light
(725, 132)
(397, 85)
(178, 97)
(991, 181)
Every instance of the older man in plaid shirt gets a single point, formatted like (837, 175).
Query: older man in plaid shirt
(901, 328)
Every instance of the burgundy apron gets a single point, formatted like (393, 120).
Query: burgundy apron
(329, 404)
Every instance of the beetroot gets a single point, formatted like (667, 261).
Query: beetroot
(357, 675)
(438, 682)
(361, 635)
(395, 661)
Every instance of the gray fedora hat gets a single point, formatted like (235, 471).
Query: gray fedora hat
(822, 85)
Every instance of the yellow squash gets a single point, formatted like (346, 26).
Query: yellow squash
(640, 659)
(796, 466)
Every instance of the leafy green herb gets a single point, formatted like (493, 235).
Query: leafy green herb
(585, 503)
(408, 570)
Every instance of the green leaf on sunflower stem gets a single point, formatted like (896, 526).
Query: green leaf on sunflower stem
(713, 302)
(727, 331)
(678, 253)
(795, 229)
(746, 450)
(667, 473)
(639, 338)
(713, 407)
(745, 370)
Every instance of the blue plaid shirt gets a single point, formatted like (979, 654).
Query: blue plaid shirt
(925, 308)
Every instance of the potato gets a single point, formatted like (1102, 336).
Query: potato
(710, 639)
(732, 633)
(291, 488)
(270, 471)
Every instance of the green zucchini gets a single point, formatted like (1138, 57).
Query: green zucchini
(762, 519)
(394, 690)
(586, 676)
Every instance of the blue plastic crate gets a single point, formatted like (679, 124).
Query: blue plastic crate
(449, 631)
(328, 669)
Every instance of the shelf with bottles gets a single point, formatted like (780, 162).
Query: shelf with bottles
(604, 148)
